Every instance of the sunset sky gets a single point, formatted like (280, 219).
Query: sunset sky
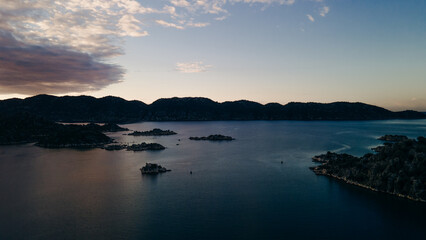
(260, 50)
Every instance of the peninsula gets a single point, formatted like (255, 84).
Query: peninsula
(22, 128)
(397, 167)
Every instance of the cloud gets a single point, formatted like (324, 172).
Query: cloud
(170, 10)
(324, 10)
(220, 18)
(198, 24)
(86, 26)
(192, 67)
(167, 24)
(30, 69)
(281, 2)
(50, 46)
(312, 19)
(180, 3)
(58, 46)
(217, 7)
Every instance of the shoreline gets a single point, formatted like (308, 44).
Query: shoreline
(345, 180)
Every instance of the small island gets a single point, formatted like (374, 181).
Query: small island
(115, 147)
(135, 147)
(145, 146)
(153, 132)
(397, 168)
(216, 137)
(152, 168)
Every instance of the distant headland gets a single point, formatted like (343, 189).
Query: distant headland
(118, 110)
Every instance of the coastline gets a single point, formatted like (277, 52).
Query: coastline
(345, 180)
(397, 167)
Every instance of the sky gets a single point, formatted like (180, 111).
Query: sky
(260, 50)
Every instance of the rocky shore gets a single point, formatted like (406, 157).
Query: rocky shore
(398, 168)
(216, 137)
(393, 138)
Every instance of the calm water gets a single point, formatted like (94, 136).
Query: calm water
(238, 190)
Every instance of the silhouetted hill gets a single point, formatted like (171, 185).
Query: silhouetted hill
(77, 109)
(338, 111)
(114, 109)
(242, 110)
(181, 109)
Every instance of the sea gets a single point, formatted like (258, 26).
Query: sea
(258, 186)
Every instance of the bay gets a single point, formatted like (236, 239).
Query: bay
(237, 189)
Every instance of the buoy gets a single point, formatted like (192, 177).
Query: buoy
(190, 172)
(281, 162)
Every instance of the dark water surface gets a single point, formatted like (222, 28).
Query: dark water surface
(238, 190)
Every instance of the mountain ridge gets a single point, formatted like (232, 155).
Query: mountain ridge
(115, 109)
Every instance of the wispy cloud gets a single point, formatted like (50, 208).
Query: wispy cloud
(180, 3)
(185, 12)
(218, 6)
(192, 67)
(324, 11)
(197, 24)
(167, 24)
(282, 2)
(220, 18)
(312, 19)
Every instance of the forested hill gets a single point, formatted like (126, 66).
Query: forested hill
(115, 109)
